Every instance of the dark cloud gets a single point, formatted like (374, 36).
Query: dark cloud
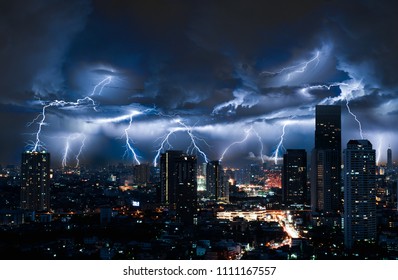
(35, 36)
(365, 39)
(221, 66)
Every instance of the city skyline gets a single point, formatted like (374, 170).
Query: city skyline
(237, 83)
(260, 212)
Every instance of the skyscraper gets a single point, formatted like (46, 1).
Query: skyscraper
(186, 189)
(214, 179)
(328, 127)
(326, 161)
(389, 159)
(35, 181)
(168, 176)
(294, 177)
(359, 192)
(179, 184)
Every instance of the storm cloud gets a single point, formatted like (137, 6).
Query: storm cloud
(214, 69)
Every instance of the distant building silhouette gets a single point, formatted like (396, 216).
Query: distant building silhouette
(256, 174)
(215, 185)
(389, 160)
(35, 181)
(359, 193)
(294, 177)
(142, 173)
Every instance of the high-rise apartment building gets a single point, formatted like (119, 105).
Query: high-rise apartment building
(214, 180)
(168, 177)
(326, 161)
(359, 193)
(35, 181)
(294, 177)
(178, 184)
(186, 189)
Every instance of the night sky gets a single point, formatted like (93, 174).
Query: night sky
(218, 71)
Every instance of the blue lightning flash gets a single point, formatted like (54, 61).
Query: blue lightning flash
(279, 148)
(80, 151)
(248, 132)
(164, 145)
(295, 69)
(260, 140)
(348, 89)
(347, 92)
(129, 146)
(356, 119)
(41, 118)
(66, 152)
(101, 84)
(67, 148)
(194, 146)
(378, 152)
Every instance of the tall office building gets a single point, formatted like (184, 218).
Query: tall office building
(35, 181)
(186, 189)
(214, 180)
(389, 159)
(326, 161)
(359, 192)
(178, 184)
(294, 177)
(168, 176)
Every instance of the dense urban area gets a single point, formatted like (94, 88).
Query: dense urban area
(291, 208)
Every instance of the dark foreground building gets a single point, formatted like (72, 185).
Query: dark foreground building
(35, 181)
(326, 161)
(294, 177)
(179, 185)
(359, 193)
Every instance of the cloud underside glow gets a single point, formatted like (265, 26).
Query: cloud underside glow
(101, 81)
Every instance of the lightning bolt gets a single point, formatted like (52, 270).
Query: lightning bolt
(247, 134)
(356, 119)
(101, 84)
(280, 146)
(194, 138)
(299, 68)
(163, 146)
(41, 118)
(38, 144)
(260, 140)
(347, 91)
(80, 151)
(67, 148)
(379, 150)
(129, 147)
(191, 148)
(66, 152)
